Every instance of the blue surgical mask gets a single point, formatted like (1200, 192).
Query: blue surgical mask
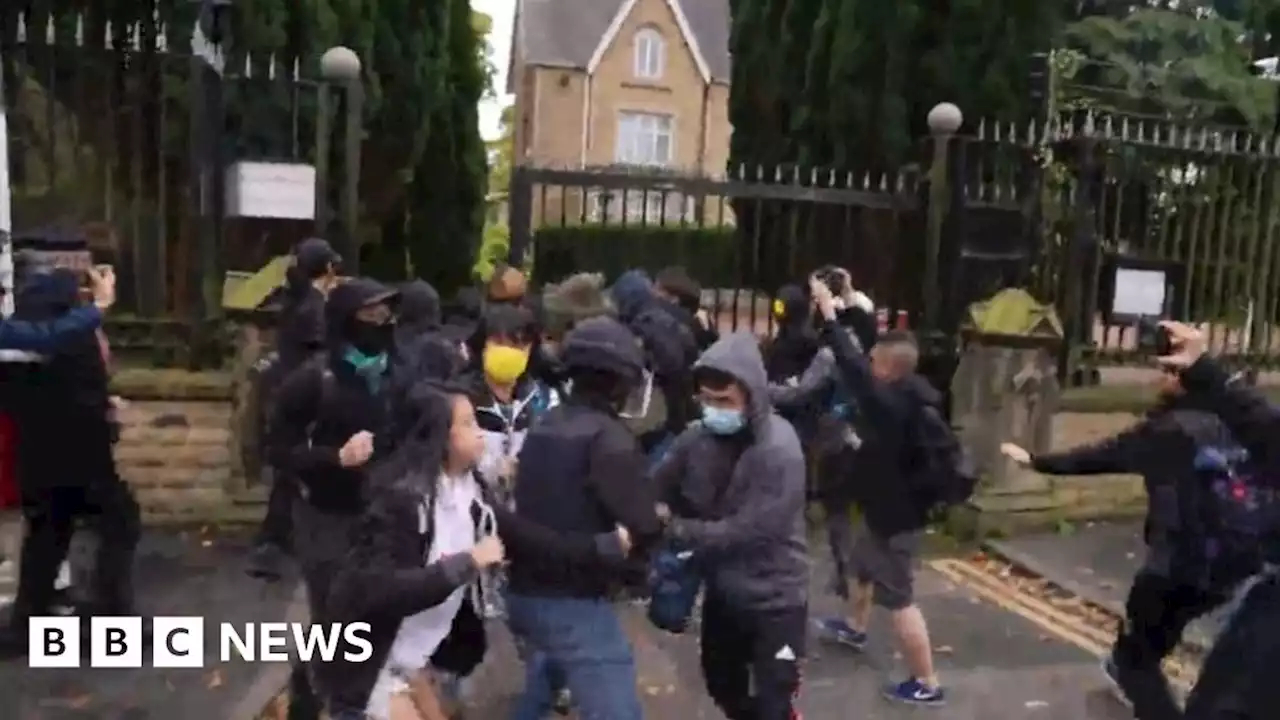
(721, 421)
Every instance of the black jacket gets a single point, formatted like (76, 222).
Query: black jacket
(1162, 448)
(61, 406)
(300, 332)
(319, 407)
(383, 580)
(885, 421)
(580, 472)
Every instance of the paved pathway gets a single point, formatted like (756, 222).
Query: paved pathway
(1096, 561)
(999, 666)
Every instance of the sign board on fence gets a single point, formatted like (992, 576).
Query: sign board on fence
(271, 190)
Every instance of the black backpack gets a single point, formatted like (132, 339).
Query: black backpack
(940, 472)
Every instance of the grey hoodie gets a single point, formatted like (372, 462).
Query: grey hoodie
(749, 532)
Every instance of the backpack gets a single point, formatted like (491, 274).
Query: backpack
(940, 472)
(1231, 512)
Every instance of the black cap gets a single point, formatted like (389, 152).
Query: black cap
(315, 254)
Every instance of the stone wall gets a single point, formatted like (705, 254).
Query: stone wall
(178, 447)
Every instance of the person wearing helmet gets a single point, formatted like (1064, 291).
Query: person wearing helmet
(581, 471)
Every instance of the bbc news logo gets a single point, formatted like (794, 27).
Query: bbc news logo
(179, 642)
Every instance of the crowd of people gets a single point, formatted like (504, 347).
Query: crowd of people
(532, 458)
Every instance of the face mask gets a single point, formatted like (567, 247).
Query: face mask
(504, 365)
(721, 421)
(371, 338)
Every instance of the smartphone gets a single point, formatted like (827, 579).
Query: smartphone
(1154, 339)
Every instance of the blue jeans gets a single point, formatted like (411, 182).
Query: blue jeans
(584, 641)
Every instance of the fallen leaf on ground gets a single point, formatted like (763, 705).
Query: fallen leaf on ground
(206, 543)
(944, 649)
(1036, 704)
(214, 680)
(79, 702)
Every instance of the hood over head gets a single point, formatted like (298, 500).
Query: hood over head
(738, 355)
(48, 292)
(575, 299)
(793, 300)
(632, 292)
(419, 306)
(346, 299)
(604, 344)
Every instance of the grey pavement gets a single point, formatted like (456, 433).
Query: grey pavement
(1097, 562)
(177, 574)
(997, 665)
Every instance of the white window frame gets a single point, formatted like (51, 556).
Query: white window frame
(649, 207)
(646, 139)
(650, 58)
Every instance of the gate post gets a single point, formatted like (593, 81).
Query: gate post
(944, 120)
(341, 66)
(520, 217)
(208, 115)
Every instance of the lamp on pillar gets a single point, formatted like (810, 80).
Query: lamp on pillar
(341, 66)
(944, 120)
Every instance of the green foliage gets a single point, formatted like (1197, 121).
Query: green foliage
(1185, 62)
(709, 254)
(494, 246)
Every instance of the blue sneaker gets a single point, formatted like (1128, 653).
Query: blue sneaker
(839, 631)
(914, 692)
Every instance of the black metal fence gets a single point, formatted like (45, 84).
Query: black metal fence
(742, 235)
(123, 132)
(1047, 206)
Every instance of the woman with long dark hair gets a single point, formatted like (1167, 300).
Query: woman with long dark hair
(430, 528)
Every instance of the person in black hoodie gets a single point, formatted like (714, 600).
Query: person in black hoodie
(1237, 679)
(330, 421)
(891, 400)
(683, 297)
(581, 471)
(796, 340)
(1180, 580)
(670, 351)
(426, 535)
(64, 402)
(422, 345)
(299, 337)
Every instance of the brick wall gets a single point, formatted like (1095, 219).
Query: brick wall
(179, 447)
(177, 455)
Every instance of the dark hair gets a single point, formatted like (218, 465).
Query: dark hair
(510, 322)
(676, 281)
(713, 379)
(598, 387)
(419, 433)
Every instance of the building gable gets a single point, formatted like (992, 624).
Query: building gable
(619, 21)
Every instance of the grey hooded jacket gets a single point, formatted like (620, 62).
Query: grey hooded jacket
(739, 501)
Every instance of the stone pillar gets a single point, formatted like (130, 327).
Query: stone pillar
(1006, 390)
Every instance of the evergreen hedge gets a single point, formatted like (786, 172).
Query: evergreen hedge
(709, 254)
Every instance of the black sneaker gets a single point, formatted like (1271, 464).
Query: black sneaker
(562, 704)
(13, 641)
(1112, 673)
(267, 563)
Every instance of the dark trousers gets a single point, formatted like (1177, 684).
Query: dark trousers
(1157, 611)
(277, 525)
(322, 540)
(109, 509)
(1237, 680)
(742, 649)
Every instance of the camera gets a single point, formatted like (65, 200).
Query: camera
(1152, 338)
(834, 279)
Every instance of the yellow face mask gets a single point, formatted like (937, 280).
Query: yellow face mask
(779, 309)
(504, 365)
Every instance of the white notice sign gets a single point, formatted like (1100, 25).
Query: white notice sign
(271, 190)
(1139, 292)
